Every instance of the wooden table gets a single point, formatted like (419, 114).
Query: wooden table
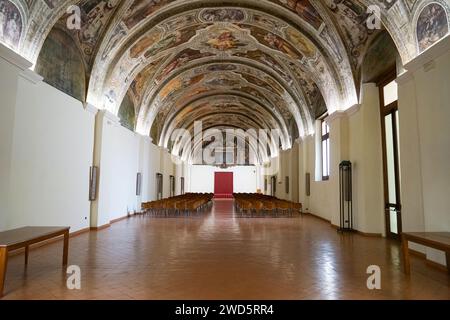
(24, 237)
(436, 240)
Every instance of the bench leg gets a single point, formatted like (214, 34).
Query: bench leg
(3, 265)
(406, 262)
(66, 248)
(27, 250)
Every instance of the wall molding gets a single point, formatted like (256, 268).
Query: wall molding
(432, 53)
(31, 76)
(404, 77)
(353, 109)
(14, 58)
(112, 118)
(91, 108)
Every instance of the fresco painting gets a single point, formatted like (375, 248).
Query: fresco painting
(61, 64)
(222, 15)
(145, 42)
(304, 9)
(137, 87)
(140, 10)
(432, 25)
(10, 24)
(200, 47)
(180, 60)
(223, 39)
(169, 41)
(126, 113)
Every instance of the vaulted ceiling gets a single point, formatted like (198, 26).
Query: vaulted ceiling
(237, 63)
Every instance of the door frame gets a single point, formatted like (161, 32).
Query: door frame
(273, 186)
(391, 109)
(159, 186)
(172, 186)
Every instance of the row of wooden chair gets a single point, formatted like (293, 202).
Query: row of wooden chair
(186, 204)
(257, 205)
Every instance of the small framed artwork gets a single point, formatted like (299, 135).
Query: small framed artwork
(93, 182)
(138, 183)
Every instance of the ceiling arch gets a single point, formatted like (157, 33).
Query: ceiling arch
(283, 58)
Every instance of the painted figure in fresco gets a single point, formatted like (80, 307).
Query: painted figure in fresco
(139, 10)
(166, 43)
(93, 24)
(96, 18)
(304, 9)
(10, 23)
(432, 25)
(223, 15)
(279, 44)
(143, 44)
(118, 34)
(3, 19)
(225, 41)
(12, 31)
(177, 62)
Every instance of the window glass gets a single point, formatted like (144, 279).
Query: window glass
(390, 92)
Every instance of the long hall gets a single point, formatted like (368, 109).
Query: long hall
(224, 149)
(218, 255)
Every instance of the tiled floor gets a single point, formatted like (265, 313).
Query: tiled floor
(221, 257)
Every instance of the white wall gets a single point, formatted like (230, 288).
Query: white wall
(47, 147)
(202, 178)
(365, 153)
(424, 97)
(49, 172)
(8, 93)
(118, 168)
(320, 201)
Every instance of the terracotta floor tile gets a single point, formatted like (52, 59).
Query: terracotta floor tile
(218, 256)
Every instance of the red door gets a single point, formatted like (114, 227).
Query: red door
(223, 184)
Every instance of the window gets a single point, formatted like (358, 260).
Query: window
(325, 150)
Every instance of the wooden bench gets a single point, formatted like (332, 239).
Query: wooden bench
(24, 237)
(436, 240)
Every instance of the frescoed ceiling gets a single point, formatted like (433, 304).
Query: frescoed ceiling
(247, 63)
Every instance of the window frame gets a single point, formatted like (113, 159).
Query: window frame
(325, 138)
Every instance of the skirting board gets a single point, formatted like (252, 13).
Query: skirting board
(366, 234)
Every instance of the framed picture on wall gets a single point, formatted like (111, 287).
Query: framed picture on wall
(93, 182)
(138, 183)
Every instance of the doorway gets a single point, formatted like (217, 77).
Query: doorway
(391, 157)
(223, 184)
(159, 186)
(172, 186)
(273, 186)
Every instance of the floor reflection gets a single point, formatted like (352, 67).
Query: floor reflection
(220, 256)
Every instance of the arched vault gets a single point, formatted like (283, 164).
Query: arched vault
(267, 63)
